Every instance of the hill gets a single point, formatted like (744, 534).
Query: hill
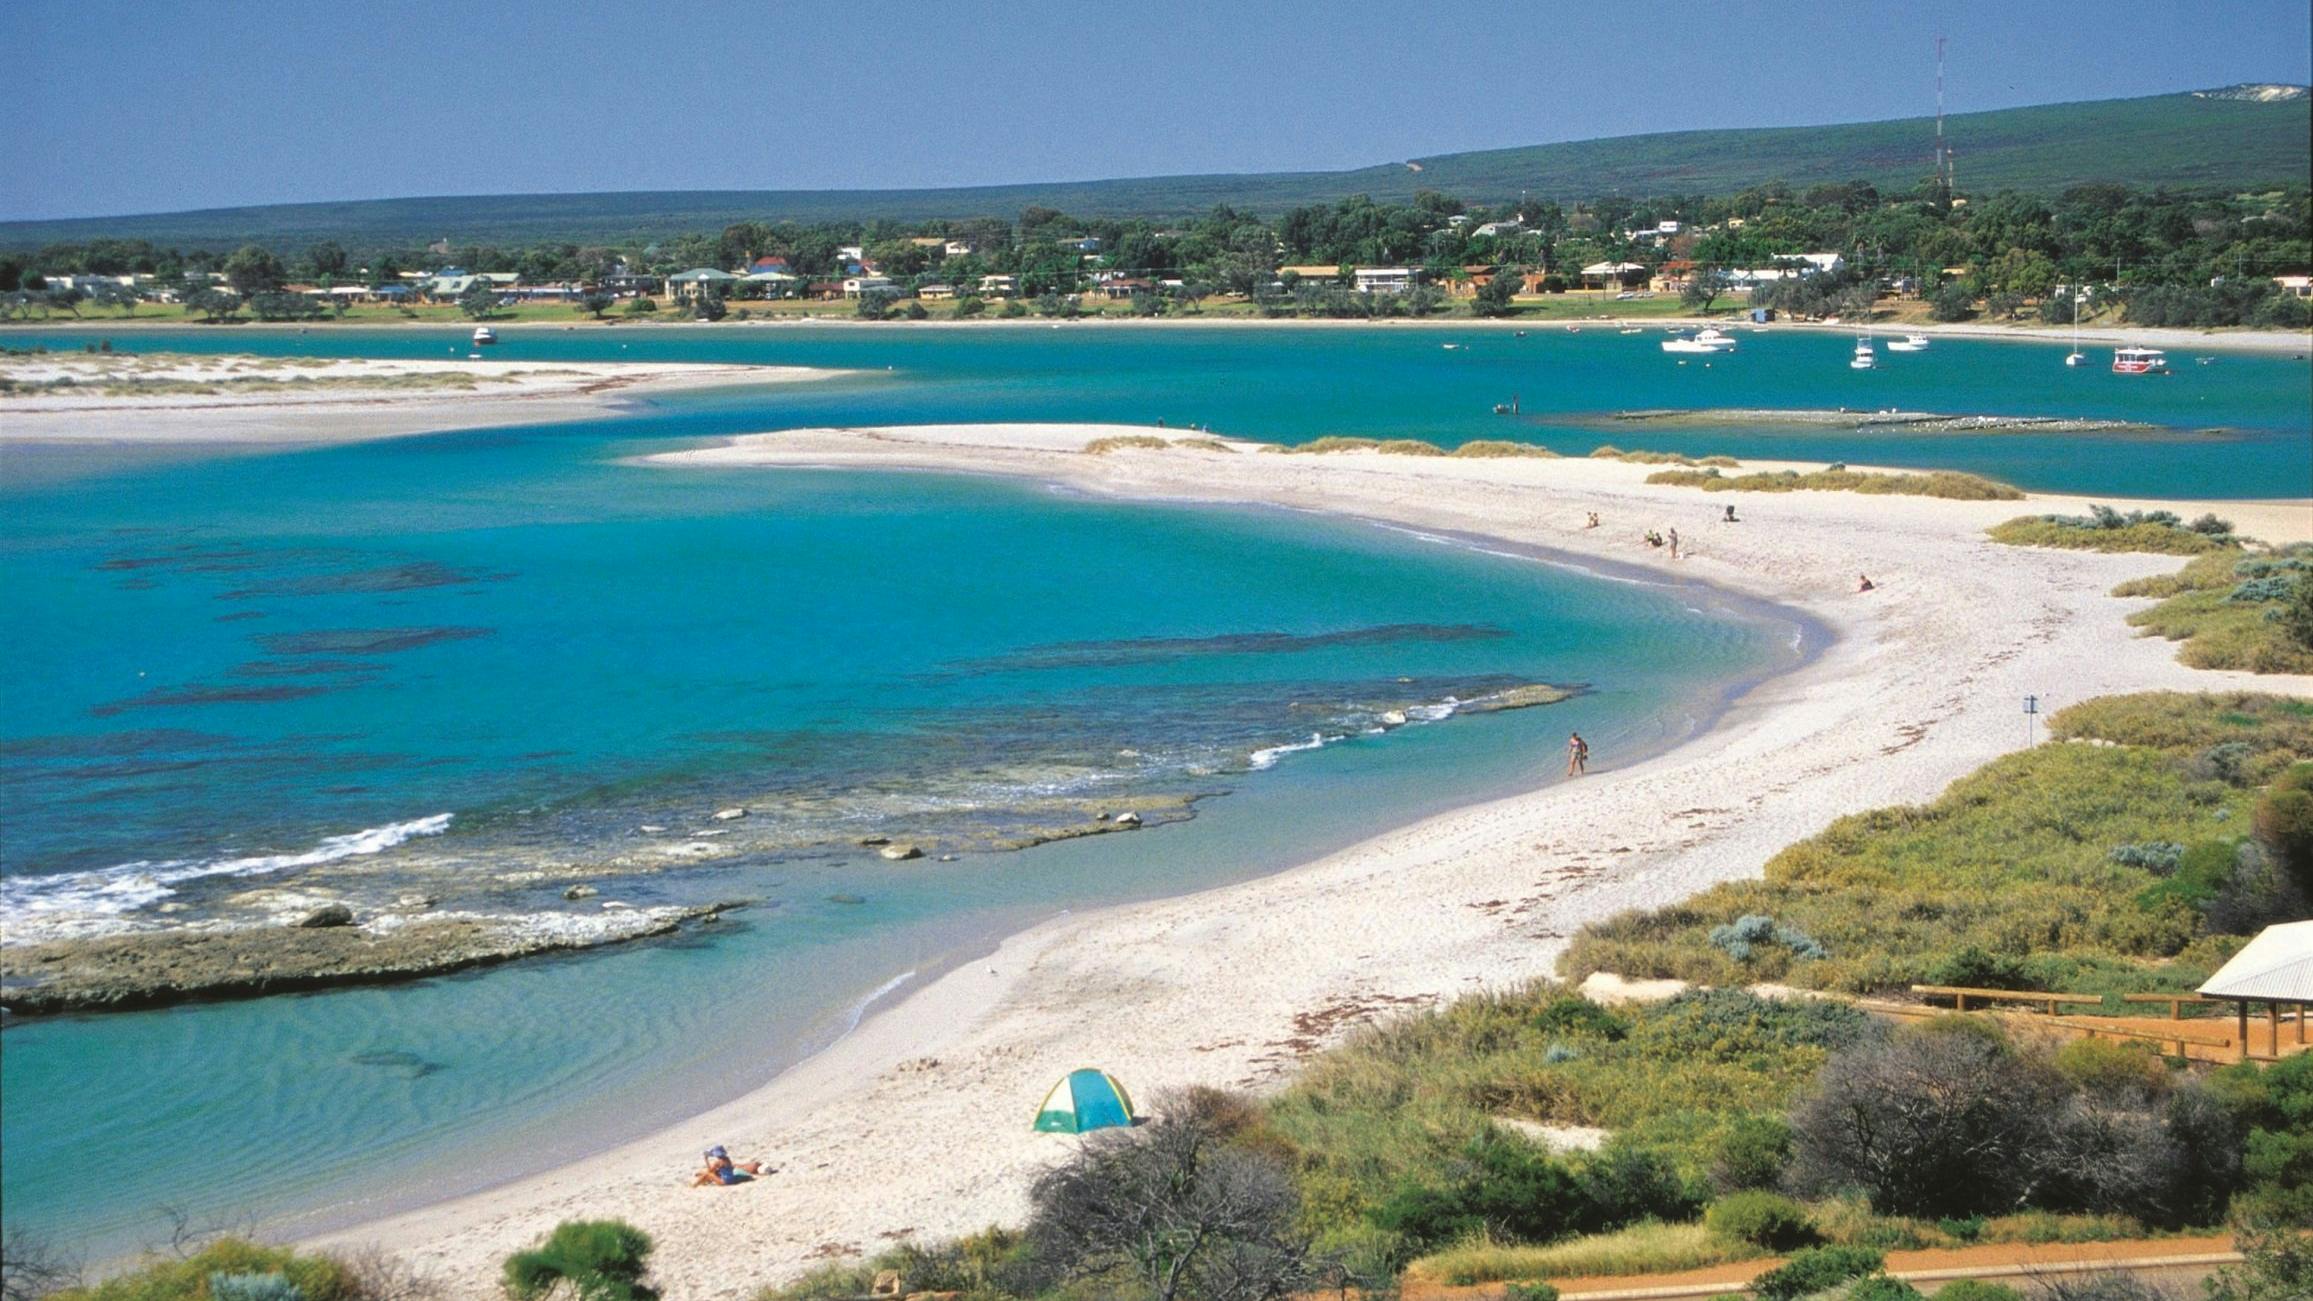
(2235, 137)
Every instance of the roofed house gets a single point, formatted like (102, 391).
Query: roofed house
(1612, 275)
(2295, 286)
(699, 280)
(1125, 287)
(935, 292)
(1386, 280)
(999, 286)
(2275, 969)
(1673, 277)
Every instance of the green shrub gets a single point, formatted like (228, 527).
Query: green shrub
(1500, 1185)
(1969, 1289)
(190, 1278)
(601, 1260)
(1753, 1153)
(253, 1287)
(1762, 1219)
(1947, 484)
(1534, 1291)
(1578, 1017)
(1816, 1269)
(1966, 1229)
(1879, 1287)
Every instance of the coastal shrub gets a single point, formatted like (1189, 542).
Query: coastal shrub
(1571, 1014)
(1625, 1181)
(1816, 1269)
(192, 1277)
(1648, 1248)
(1946, 484)
(600, 1260)
(1499, 1186)
(253, 1287)
(1174, 1208)
(1335, 443)
(2158, 857)
(1533, 1290)
(1740, 938)
(1753, 1152)
(2277, 1261)
(2166, 537)
(1410, 447)
(2294, 616)
(1762, 1219)
(1119, 442)
(1609, 452)
(1485, 447)
(1879, 1287)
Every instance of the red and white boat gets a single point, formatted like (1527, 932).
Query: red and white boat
(2139, 361)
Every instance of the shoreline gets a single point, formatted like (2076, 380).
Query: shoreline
(353, 401)
(2215, 338)
(924, 1095)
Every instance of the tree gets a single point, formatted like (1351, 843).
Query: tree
(594, 302)
(1953, 302)
(970, 305)
(1940, 1122)
(642, 305)
(875, 304)
(285, 307)
(1703, 288)
(252, 270)
(1177, 1210)
(213, 304)
(328, 258)
(708, 306)
(479, 300)
(1493, 297)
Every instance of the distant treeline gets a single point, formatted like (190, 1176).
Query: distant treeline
(2183, 257)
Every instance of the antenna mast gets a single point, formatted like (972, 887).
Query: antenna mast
(1943, 156)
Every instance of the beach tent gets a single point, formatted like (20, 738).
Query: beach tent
(1088, 1099)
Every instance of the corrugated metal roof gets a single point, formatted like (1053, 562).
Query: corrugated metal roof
(2278, 964)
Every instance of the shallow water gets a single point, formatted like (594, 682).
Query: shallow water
(436, 661)
(1293, 384)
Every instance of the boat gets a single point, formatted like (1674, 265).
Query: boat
(483, 334)
(1632, 329)
(1908, 343)
(2139, 361)
(1709, 340)
(2076, 356)
(1864, 358)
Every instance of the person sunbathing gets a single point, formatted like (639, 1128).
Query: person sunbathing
(721, 1170)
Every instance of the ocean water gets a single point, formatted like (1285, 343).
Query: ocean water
(2237, 427)
(479, 665)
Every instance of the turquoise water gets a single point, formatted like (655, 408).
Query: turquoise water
(1290, 385)
(436, 663)
(440, 663)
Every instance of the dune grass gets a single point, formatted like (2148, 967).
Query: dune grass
(1491, 447)
(1609, 452)
(1639, 1249)
(1948, 484)
(2224, 606)
(1203, 444)
(1119, 442)
(2009, 877)
(2160, 539)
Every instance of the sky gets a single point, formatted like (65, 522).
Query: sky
(123, 106)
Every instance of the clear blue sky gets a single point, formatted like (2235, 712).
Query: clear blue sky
(117, 106)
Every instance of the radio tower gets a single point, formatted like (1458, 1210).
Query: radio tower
(1943, 156)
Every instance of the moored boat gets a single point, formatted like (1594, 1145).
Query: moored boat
(1908, 343)
(1709, 340)
(483, 334)
(2139, 361)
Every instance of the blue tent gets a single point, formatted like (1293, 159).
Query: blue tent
(1088, 1099)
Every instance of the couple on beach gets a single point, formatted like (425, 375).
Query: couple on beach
(721, 1171)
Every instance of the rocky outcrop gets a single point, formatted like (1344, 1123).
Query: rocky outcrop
(155, 969)
(326, 916)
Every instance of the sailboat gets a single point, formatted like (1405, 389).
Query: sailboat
(1864, 358)
(2077, 356)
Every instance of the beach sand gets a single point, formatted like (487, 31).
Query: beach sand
(275, 401)
(917, 1124)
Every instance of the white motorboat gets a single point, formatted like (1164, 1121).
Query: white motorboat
(1709, 340)
(1908, 343)
(1864, 358)
(483, 335)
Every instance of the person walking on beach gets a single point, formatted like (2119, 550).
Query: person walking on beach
(1674, 541)
(1577, 755)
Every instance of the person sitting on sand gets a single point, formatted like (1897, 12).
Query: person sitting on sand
(1593, 521)
(1577, 755)
(1731, 516)
(1864, 583)
(721, 1170)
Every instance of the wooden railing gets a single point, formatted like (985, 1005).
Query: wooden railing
(2175, 1002)
(2048, 1001)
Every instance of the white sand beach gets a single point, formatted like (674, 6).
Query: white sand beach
(119, 398)
(917, 1123)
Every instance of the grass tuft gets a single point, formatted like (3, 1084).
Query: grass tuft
(1490, 447)
(1119, 442)
(1950, 485)
(1639, 1249)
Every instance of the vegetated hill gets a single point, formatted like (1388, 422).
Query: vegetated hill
(2230, 137)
